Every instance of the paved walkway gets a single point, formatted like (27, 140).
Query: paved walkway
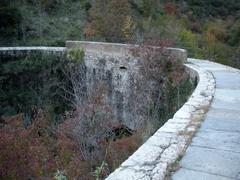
(214, 153)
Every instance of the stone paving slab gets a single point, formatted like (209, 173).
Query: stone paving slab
(228, 105)
(222, 120)
(228, 99)
(228, 95)
(187, 174)
(211, 161)
(223, 114)
(229, 141)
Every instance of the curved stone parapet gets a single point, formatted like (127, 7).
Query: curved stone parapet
(160, 154)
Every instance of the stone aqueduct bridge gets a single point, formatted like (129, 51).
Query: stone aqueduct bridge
(177, 151)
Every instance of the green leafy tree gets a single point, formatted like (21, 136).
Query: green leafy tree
(234, 35)
(111, 20)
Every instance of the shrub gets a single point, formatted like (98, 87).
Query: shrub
(115, 25)
(76, 54)
(158, 69)
(99, 172)
(59, 175)
(33, 80)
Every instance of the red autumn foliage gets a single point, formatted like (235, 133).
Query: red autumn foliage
(121, 148)
(111, 19)
(25, 153)
(40, 150)
(171, 8)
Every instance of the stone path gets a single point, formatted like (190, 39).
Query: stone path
(214, 153)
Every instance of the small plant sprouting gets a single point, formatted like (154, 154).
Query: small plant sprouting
(59, 175)
(76, 54)
(99, 170)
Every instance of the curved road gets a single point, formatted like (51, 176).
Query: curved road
(214, 153)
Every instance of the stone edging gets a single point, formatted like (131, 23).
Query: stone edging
(160, 154)
(19, 51)
(41, 48)
(117, 49)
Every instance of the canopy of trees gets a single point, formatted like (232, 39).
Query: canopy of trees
(208, 29)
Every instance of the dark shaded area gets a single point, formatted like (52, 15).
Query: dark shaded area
(10, 22)
(119, 104)
(29, 82)
(119, 132)
(214, 8)
(175, 97)
(123, 68)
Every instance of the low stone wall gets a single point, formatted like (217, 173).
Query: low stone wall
(160, 154)
(101, 47)
(119, 49)
(22, 51)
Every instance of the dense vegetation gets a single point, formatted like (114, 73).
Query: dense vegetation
(208, 29)
(31, 80)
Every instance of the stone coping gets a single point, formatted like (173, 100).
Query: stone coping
(22, 51)
(34, 48)
(111, 48)
(160, 154)
(118, 49)
(69, 44)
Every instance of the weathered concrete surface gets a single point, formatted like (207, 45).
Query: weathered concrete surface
(215, 150)
(118, 72)
(112, 64)
(160, 153)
